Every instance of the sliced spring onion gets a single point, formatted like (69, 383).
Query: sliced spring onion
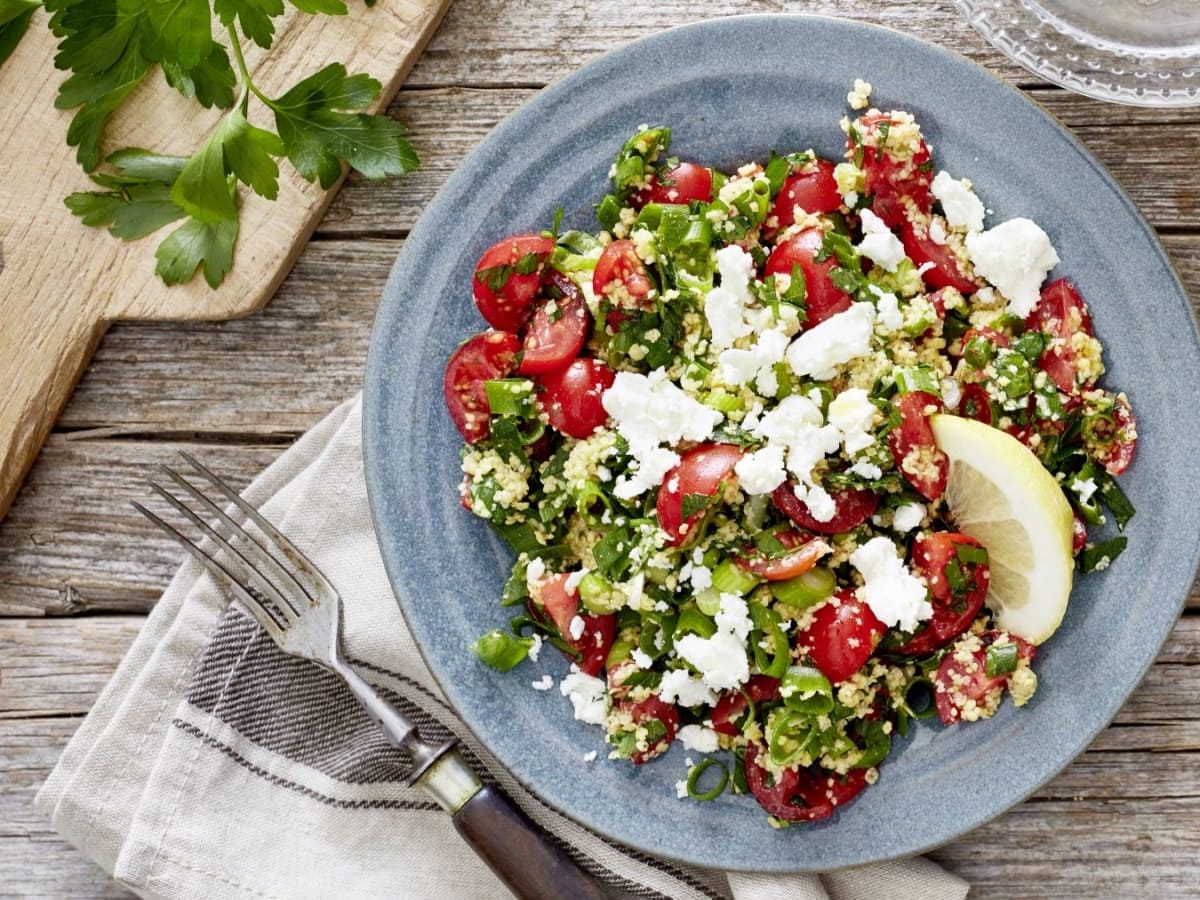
(805, 590)
(692, 621)
(919, 378)
(918, 698)
(708, 601)
(599, 597)
(772, 662)
(730, 578)
(723, 401)
(509, 396)
(789, 735)
(620, 651)
(805, 689)
(1001, 660)
(588, 497)
(698, 770)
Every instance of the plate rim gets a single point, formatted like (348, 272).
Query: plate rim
(374, 364)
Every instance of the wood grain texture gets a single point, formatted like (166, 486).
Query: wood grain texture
(61, 283)
(77, 567)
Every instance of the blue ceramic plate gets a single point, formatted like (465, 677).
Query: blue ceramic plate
(733, 89)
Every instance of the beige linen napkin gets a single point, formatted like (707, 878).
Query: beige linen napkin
(213, 765)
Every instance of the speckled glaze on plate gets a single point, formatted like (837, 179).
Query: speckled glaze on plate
(732, 89)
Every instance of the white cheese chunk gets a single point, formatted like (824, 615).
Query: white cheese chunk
(853, 414)
(962, 208)
(867, 470)
(678, 686)
(648, 411)
(819, 351)
(820, 504)
(879, 244)
(762, 471)
(721, 659)
(542, 684)
(1015, 256)
(699, 738)
(755, 363)
(908, 516)
(887, 310)
(937, 231)
(587, 695)
(723, 310)
(895, 595)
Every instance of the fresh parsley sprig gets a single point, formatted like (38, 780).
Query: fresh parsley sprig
(110, 46)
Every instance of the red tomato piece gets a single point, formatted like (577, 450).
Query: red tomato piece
(954, 608)
(733, 703)
(552, 341)
(621, 275)
(813, 190)
(822, 299)
(1115, 447)
(946, 269)
(803, 552)
(913, 447)
(842, 636)
(653, 707)
(975, 404)
(957, 682)
(853, 508)
(1061, 314)
(561, 606)
(1079, 535)
(804, 795)
(681, 184)
(503, 292)
(893, 179)
(573, 397)
(700, 472)
(483, 358)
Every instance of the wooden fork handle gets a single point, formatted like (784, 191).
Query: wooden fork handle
(520, 853)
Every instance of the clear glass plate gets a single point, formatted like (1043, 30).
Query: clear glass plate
(1140, 52)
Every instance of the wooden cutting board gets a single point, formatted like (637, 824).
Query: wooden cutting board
(62, 284)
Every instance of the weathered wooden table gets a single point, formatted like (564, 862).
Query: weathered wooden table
(79, 569)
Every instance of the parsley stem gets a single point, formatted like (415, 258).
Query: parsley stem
(247, 82)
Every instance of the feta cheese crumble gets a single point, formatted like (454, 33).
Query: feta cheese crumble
(699, 738)
(587, 696)
(895, 595)
(908, 516)
(721, 659)
(962, 208)
(1015, 256)
(648, 411)
(542, 684)
(879, 244)
(821, 350)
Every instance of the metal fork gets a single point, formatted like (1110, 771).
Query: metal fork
(302, 611)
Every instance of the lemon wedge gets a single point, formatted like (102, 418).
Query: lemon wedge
(1000, 494)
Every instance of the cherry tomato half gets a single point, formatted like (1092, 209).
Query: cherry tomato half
(822, 299)
(552, 341)
(957, 682)
(733, 703)
(841, 636)
(957, 594)
(812, 189)
(681, 184)
(893, 180)
(621, 275)
(653, 707)
(913, 447)
(699, 472)
(801, 553)
(572, 397)
(804, 795)
(507, 278)
(484, 357)
(946, 269)
(1061, 314)
(561, 606)
(853, 508)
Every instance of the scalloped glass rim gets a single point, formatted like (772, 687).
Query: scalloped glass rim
(1086, 63)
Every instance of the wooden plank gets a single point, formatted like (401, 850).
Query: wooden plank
(1157, 168)
(50, 670)
(72, 544)
(1063, 829)
(527, 43)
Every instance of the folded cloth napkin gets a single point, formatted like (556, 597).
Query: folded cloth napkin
(214, 765)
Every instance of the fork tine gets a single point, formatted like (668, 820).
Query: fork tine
(258, 519)
(257, 609)
(244, 533)
(244, 571)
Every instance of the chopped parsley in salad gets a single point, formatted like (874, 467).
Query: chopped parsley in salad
(708, 432)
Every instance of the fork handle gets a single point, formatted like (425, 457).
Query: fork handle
(519, 852)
